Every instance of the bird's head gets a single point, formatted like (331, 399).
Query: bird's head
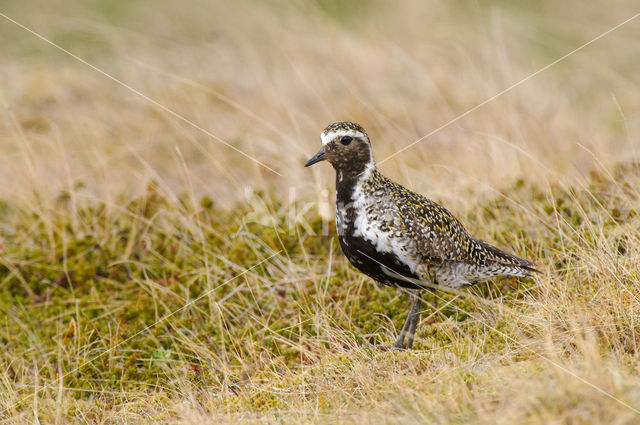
(346, 146)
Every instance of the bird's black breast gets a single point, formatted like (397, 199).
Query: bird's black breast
(364, 256)
(361, 253)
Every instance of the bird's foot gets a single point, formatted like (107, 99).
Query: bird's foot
(393, 347)
(397, 346)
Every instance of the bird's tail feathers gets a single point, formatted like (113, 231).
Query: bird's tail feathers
(512, 264)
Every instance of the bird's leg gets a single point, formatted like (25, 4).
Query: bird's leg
(403, 332)
(409, 327)
(414, 314)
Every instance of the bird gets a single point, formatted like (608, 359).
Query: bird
(401, 238)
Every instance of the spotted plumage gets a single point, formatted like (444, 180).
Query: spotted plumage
(398, 237)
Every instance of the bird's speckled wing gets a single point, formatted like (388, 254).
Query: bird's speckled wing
(437, 234)
(440, 237)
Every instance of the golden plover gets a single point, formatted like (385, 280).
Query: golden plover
(398, 237)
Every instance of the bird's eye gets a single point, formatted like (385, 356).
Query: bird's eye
(346, 140)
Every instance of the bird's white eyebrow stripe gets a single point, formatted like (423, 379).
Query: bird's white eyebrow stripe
(328, 137)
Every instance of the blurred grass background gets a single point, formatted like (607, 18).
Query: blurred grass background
(115, 214)
(266, 76)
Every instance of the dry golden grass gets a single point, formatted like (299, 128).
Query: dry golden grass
(149, 273)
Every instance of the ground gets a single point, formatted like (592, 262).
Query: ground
(182, 266)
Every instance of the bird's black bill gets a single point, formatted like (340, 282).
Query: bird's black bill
(320, 156)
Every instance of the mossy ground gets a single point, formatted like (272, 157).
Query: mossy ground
(149, 273)
(162, 302)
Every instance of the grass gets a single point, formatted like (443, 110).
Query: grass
(150, 274)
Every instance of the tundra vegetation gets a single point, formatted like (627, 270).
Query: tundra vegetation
(151, 273)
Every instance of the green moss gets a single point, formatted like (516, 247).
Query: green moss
(150, 294)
